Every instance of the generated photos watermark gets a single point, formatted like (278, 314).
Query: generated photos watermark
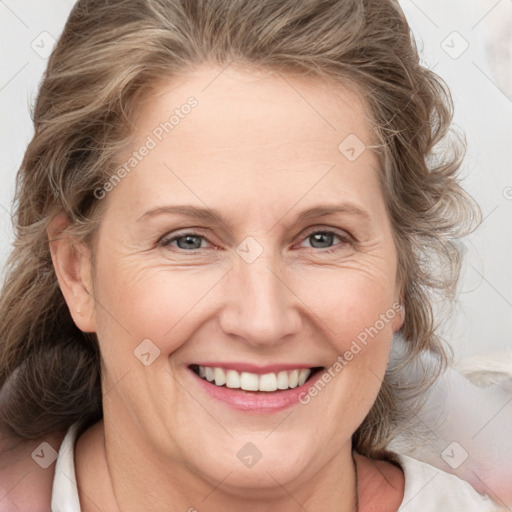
(157, 135)
(356, 346)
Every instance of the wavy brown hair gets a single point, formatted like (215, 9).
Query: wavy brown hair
(109, 57)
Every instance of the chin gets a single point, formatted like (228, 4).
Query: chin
(255, 464)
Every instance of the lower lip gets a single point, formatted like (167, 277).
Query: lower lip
(261, 402)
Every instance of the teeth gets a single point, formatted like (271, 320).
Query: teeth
(293, 378)
(303, 375)
(282, 380)
(268, 382)
(252, 381)
(249, 381)
(220, 376)
(209, 374)
(232, 379)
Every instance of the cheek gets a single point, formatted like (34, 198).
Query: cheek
(361, 332)
(354, 302)
(364, 335)
(143, 301)
(357, 312)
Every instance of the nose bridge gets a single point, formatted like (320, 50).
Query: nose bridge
(259, 306)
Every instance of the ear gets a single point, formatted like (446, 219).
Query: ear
(398, 302)
(72, 263)
(398, 319)
(398, 307)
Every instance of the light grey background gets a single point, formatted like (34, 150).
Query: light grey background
(480, 78)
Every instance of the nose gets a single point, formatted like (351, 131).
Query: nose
(260, 305)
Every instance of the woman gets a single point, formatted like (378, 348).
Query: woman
(227, 212)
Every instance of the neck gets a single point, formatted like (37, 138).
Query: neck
(113, 479)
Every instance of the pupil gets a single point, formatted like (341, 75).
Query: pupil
(188, 241)
(319, 237)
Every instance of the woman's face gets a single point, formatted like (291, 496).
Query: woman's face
(254, 275)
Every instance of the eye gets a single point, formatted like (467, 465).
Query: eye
(323, 239)
(191, 241)
(320, 239)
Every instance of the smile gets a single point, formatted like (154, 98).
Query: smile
(247, 381)
(254, 389)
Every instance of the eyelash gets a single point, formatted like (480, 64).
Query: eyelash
(345, 239)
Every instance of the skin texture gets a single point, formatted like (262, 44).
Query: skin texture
(24, 485)
(260, 153)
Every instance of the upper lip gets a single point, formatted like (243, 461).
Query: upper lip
(253, 368)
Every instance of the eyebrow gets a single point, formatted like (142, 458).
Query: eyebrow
(213, 216)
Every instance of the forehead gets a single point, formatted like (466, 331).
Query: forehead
(263, 134)
(241, 101)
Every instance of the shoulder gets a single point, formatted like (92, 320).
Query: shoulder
(412, 485)
(380, 485)
(431, 489)
(27, 470)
